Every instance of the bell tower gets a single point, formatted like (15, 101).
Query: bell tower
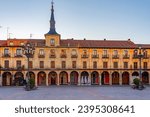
(52, 37)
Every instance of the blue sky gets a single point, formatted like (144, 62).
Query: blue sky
(79, 19)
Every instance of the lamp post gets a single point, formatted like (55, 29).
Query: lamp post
(140, 56)
(28, 51)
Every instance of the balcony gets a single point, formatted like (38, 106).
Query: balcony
(95, 56)
(126, 56)
(105, 56)
(18, 55)
(63, 56)
(115, 57)
(52, 56)
(84, 56)
(41, 55)
(6, 55)
(74, 56)
(145, 57)
(135, 57)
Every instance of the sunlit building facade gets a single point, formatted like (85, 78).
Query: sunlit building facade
(59, 61)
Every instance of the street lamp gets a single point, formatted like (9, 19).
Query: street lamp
(140, 56)
(28, 51)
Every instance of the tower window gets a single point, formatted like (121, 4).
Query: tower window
(52, 42)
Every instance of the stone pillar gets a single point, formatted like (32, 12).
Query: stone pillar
(58, 79)
(68, 78)
(36, 82)
(110, 78)
(47, 78)
(89, 79)
(130, 78)
(120, 78)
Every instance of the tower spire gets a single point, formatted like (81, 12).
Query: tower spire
(52, 21)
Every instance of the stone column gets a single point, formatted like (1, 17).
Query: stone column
(58, 78)
(68, 78)
(89, 79)
(36, 82)
(120, 78)
(110, 78)
(47, 78)
(130, 78)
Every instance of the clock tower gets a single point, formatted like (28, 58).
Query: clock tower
(52, 37)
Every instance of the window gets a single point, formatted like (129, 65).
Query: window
(135, 64)
(52, 51)
(105, 64)
(115, 64)
(94, 65)
(145, 65)
(11, 43)
(41, 64)
(21, 43)
(6, 64)
(63, 53)
(6, 51)
(135, 53)
(52, 64)
(41, 52)
(145, 53)
(115, 52)
(95, 52)
(18, 64)
(73, 64)
(63, 64)
(125, 52)
(52, 42)
(125, 65)
(30, 64)
(18, 52)
(84, 64)
(105, 52)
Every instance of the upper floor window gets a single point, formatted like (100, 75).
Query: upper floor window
(52, 51)
(94, 52)
(6, 51)
(41, 52)
(84, 64)
(52, 42)
(94, 64)
(6, 64)
(115, 52)
(135, 52)
(18, 52)
(84, 52)
(21, 43)
(125, 52)
(74, 64)
(63, 64)
(41, 64)
(52, 64)
(105, 52)
(18, 64)
(105, 64)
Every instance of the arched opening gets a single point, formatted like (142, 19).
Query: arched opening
(41, 78)
(95, 78)
(74, 78)
(125, 78)
(52, 78)
(18, 79)
(115, 78)
(145, 77)
(63, 78)
(85, 78)
(135, 75)
(6, 79)
(105, 78)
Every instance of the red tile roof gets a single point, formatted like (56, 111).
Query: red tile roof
(99, 43)
(79, 43)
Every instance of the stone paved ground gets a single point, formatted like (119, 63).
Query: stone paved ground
(75, 93)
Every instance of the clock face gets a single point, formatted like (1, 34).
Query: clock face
(74, 52)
